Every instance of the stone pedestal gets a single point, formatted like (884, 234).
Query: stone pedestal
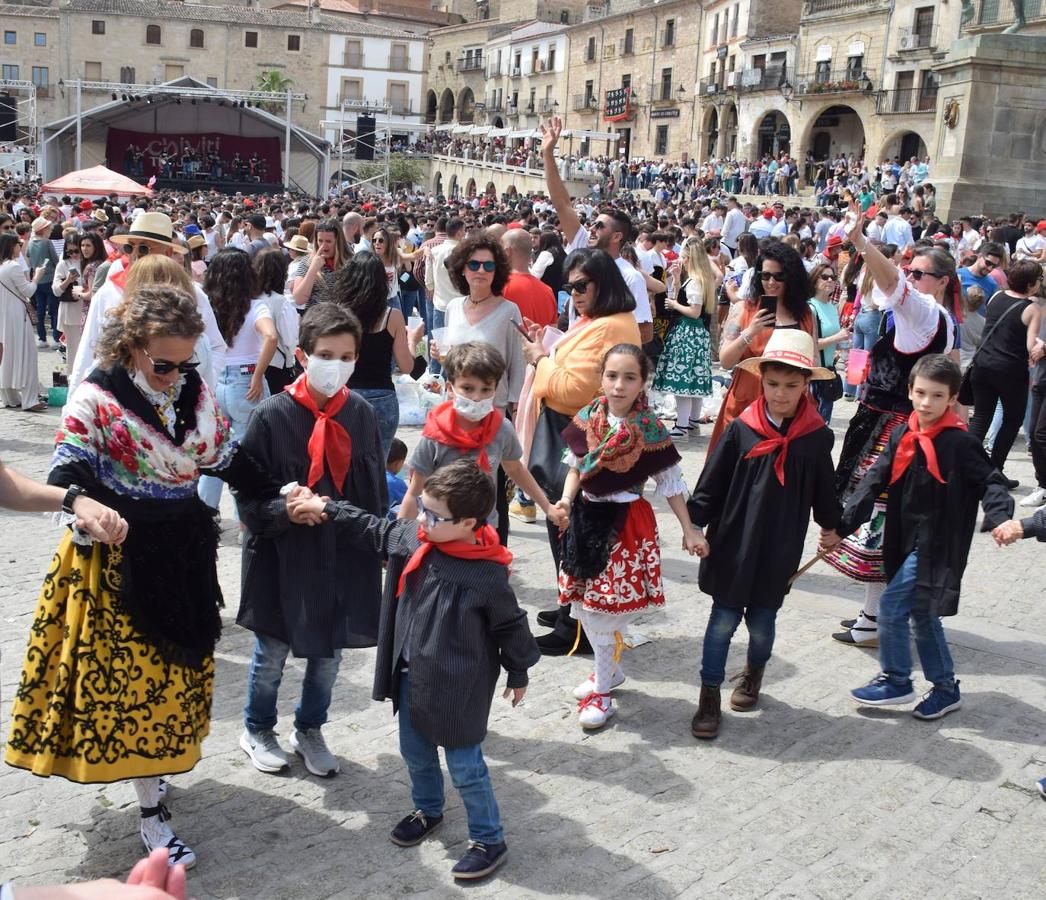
(992, 160)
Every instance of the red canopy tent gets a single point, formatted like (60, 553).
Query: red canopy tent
(97, 181)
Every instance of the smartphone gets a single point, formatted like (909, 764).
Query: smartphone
(768, 303)
(523, 331)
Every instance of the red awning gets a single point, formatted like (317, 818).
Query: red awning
(96, 182)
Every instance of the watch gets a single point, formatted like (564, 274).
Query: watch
(70, 497)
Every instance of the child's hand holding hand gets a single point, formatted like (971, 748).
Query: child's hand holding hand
(307, 511)
(517, 695)
(828, 540)
(563, 505)
(1008, 532)
(695, 543)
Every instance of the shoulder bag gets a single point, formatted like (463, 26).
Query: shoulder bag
(966, 385)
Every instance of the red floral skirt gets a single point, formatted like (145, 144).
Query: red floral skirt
(631, 580)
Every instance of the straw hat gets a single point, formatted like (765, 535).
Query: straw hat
(40, 223)
(153, 228)
(299, 243)
(196, 240)
(99, 216)
(789, 347)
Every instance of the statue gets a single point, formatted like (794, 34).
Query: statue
(1019, 22)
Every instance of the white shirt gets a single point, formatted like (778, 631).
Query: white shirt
(633, 278)
(733, 227)
(898, 231)
(649, 260)
(437, 278)
(916, 316)
(247, 344)
(1029, 246)
(713, 222)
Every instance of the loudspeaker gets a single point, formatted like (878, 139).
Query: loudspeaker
(8, 118)
(364, 137)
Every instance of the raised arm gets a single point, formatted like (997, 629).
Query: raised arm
(884, 273)
(569, 223)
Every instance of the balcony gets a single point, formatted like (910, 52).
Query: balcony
(909, 40)
(708, 86)
(398, 107)
(662, 95)
(585, 103)
(548, 105)
(768, 79)
(469, 64)
(907, 100)
(399, 64)
(827, 8)
(842, 81)
(352, 61)
(512, 109)
(494, 105)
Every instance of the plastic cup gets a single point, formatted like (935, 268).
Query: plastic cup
(439, 338)
(414, 321)
(551, 336)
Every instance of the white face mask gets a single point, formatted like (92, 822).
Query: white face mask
(473, 410)
(328, 376)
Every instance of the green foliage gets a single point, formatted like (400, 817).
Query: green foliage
(403, 171)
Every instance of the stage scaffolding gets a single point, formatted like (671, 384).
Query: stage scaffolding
(27, 132)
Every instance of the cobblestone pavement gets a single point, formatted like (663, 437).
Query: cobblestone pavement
(807, 797)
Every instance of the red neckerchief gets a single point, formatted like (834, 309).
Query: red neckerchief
(329, 440)
(120, 278)
(442, 426)
(487, 546)
(924, 439)
(807, 419)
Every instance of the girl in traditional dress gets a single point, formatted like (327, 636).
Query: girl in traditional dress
(611, 568)
(118, 673)
(685, 366)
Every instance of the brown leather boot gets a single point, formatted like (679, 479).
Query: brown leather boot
(746, 694)
(705, 724)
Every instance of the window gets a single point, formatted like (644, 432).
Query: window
(854, 67)
(924, 25)
(196, 38)
(630, 41)
(10, 72)
(39, 39)
(661, 141)
(666, 84)
(626, 81)
(399, 59)
(172, 72)
(714, 37)
(590, 52)
(590, 93)
(98, 26)
(564, 17)
(351, 90)
(824, 71)
(551, 64)
(41, 80)
(92, 71)
(535, 65)
(250, 39)
(734, 20)
(212, 81)
(399, 98)
(294, 43)
(353, 54)
(152, 34)
(670, 33)
(127, 74)
(10, 37)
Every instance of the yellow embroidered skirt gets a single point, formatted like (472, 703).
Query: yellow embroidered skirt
(96, 702)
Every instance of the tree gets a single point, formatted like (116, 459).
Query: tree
(403, 171)
(272, 81)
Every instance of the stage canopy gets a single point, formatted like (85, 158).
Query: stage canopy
(165, 117)
(98, 181)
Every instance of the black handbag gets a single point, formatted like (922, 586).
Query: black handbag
(965, 396)
(546, 452)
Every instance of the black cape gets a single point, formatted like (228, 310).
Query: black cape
(755, 525)
(310, 587)
(937, 518)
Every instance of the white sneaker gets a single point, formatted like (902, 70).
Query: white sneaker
(43, 345)
(265, 751)
(594, 711)
(156, 832)
(1035, 498)
(311, 747)
(588, 686)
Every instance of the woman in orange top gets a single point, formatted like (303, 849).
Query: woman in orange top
(565, 380)
(777, 299)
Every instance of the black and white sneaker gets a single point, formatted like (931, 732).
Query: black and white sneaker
(156, 832)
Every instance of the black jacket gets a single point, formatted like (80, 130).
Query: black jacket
(936, 518)
(755, 525)
(310, 587)
(457, 620)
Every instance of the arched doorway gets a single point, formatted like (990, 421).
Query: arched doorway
(729, 142)
(499, 122)
(466, 106)
(437, 184)
(712, 134)
(470, 188)
(511, 192)
(491, 190)
(446, 106)
(822, 146)
(431, 107)
(836, 131)
(904, 146)
(773, 135)
(452, 187)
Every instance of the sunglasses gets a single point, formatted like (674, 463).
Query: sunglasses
(599, 226)
(989, 265)
(917, 274)
(164, 368)
(487, 265)
(827, 276)
(579, 286)
(773, 276)
(136, 249)
(431, 519)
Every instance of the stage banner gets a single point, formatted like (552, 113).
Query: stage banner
(121, 146)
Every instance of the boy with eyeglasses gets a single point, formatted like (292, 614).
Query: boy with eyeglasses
(449, 624)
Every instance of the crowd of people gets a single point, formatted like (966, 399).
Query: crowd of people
(252, 341)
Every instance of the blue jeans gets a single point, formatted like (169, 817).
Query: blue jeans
(411, 300)
(386, 408)
(722, 623)
(468, 773)
(439, 320)
(896, 607)
(819, 391)
(231, 393)
(866, 333)
(263, 686)
(46, 304)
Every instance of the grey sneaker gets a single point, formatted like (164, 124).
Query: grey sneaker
(265, 751)
(311, 747)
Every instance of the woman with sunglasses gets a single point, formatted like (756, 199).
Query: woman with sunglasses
(66, 276)
(916, 324)
(823, 281)
(134, 625)
(777, 298)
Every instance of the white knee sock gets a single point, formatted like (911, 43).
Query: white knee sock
(682, 411)
(605, 666)
(696, 405)
(148, 791)
(873, 590)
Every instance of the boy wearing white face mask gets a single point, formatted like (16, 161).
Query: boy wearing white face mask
(468, 425)
(307, 588)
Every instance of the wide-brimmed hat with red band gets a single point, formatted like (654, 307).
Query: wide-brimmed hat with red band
(789, 347)
(153, 227)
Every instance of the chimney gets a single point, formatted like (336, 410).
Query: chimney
(314, 12)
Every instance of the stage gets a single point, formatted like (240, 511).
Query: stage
(222, 185)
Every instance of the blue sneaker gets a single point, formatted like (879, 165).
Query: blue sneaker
(938, 702)
(1041, 783)
(880, 691)
(480, 860)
